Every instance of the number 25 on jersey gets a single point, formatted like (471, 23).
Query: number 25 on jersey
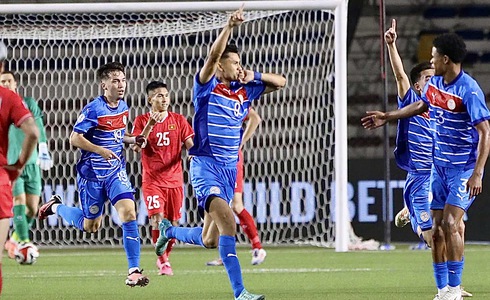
(163, 139)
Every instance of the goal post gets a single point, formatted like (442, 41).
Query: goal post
(296, 164)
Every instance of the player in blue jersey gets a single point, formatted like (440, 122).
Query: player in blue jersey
(414, 140)
(459, 119)
(100, 134)
(221, 100)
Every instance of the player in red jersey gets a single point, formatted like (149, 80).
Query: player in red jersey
(12, 111)
(163, 181)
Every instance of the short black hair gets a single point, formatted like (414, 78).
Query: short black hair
(104, 71)
(452, 45)
(155, 85)
(16, 77)
(230, 48)
(417, 70)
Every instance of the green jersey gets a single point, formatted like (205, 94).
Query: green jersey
(16, 135)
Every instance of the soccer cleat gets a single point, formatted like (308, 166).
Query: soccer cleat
(215, 263)
(136, 278)
(46, 210)
(244, 295)
(402, 217)
(11, 246)
(258, 256)
(465, 293)
(451, 294)
(166, 269)
(162, 241)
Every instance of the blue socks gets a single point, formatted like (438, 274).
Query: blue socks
(455, 271)
(72, 215)
(191, 236)
(440, 274)
(131, 241)
(227, 251)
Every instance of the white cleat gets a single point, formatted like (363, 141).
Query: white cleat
(258, 256)
(451, 294)
(402, 217)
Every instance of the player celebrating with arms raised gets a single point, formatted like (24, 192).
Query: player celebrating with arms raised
(459, 119)
(221, 103)
(99, 133)
(163, 180)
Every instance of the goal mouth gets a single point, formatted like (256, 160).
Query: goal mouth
(289, 163)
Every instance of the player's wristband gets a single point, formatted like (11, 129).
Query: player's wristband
(257, 75)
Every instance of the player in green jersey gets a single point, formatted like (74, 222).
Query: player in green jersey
(27, 188)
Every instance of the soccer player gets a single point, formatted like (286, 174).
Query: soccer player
(12, 111)
(246, 221)
(163, 178)
(27, 188)
(459, 117)
(99, 133)
(221, 103)
(414, 140)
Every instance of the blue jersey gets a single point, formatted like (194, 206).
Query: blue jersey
(219, 114)
(455, 109)
(413, 152)
(103, 126)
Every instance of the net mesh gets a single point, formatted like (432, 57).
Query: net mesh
(289, 161)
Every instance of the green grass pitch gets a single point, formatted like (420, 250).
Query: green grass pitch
(298, 272)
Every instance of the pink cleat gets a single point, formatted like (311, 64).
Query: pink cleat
(166, 269)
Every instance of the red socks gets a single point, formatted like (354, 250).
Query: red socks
(248, 225)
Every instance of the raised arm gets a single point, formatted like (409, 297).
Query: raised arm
(474, 184)
(218, 47)
(402, 81)
(273, 82)
(375, 119)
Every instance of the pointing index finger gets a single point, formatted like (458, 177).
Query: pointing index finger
(393, 24)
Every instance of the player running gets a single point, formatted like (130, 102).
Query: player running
(99, 133)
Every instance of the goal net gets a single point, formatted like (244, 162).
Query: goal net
(288, 163)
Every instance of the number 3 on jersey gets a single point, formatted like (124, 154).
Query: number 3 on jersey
(163, 139)
(153, 202)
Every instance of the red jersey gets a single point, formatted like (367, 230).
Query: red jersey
(161, 157)
(12, 111)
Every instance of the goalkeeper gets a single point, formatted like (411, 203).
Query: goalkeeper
(27, 188)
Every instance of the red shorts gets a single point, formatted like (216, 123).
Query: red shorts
(167, 201)
(239, 173)
(6, 201)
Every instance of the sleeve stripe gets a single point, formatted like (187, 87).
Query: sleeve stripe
(21, 120)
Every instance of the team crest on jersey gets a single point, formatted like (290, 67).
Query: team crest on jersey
(451, 104)
(93, 209)
(215, 190)
(424, 216)
(172, 127)
(125, 120)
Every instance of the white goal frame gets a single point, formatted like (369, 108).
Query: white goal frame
(342, 221)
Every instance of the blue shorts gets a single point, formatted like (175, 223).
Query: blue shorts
(210, 177)
(449, 187)
(93, 194)
(416, 197)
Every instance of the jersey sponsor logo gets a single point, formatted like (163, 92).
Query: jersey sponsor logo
(215, 190)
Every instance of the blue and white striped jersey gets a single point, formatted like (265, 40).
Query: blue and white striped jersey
(218, 118)
(455, 109)
(104, 126)
(413, 152)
